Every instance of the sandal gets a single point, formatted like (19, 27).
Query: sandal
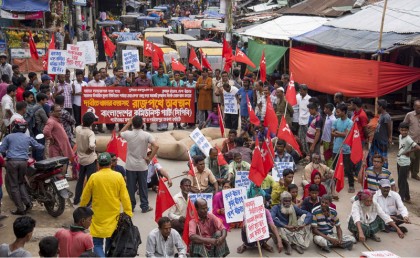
(241, 249)
(376, 238)
(267, 247)
(147, 210)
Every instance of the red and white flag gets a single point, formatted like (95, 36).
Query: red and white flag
(267, 154)
(191, 172)
(221, 124)
(50, 46)
(112, 146)
(240, 57)
(263, 68)
(191, 215)
(32, 47)
(252, 116)
(355, 142)
(270, 119)
(204, 62)
(220, 158)
(286, 134)
(227, 55)
(177, 66)
(193, 60)
(108, 45)
(257, 172)
(339, 173)
(147, 48)
(291, 92)
(164, 200)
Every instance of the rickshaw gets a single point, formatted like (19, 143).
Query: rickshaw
(155, 35)
(212, 50)
(178, 42)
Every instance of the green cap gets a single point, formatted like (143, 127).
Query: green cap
(104, 159)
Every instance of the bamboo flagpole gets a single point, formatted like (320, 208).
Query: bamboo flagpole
(259, 248)
(380, 45)
(192, 166)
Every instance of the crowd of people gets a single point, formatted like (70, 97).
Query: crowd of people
(32, 106)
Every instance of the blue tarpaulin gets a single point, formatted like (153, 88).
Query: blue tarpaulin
(26, 5)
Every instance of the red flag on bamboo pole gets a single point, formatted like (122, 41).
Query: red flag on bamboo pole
(252, 116)
(263, 68)
(257, 173)
(240, 57)
(108, 45)
(164, 200)
(355, 142)
(191, 215)
(291, 92)
(221, 125)
(32, 47)
(339, 173)
(286, 134)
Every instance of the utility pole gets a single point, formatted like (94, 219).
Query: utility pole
(229, 20)
(124, 7)
(380, 46)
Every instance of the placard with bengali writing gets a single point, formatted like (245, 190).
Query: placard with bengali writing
(233, 200)
(57, 61)
(131, 61)
(255, 219)
(206, 196)
(242, 179)
(155, 105)
(75, 57)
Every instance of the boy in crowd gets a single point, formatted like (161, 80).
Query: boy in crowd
(23, 227)
(48, 247)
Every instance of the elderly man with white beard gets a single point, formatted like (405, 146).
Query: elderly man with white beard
(293, 224)
(367, 218)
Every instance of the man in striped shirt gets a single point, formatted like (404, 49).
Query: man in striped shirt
(324, 219)
(377, 172)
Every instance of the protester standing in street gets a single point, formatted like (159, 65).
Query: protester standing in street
(413, 119)
(137, 160)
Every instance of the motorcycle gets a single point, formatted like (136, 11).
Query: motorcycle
(46, 184)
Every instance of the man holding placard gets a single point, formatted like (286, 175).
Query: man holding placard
(237, 165)
(207, 235)
(293, 224)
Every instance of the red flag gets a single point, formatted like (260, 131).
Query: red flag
(50, 46)
(205, 63)
(252, 116)
(108, 45)
(226, 50)
(191, 215)
(257, 173)
(270, 119)
(339, 173)
(263, 68)
(147, 48)
(354, 141)
(155, 60)
(159, 52)
(221, 125)
(228, 64)
(266, 149)
(177, 66)
(164, 200)
(286, 134)
(32, 47)
(112, 146)
(122, 149)
(191, 172)
(194, 59)
(240, 57)
(220, 159)
(291, 92)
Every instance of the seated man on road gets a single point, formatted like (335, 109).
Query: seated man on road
(239, 148)
(392, 205)
(178, 212)
(162, 241)
(367, 218)
(293, 224)
(324, 219)
(208, 234)
(212, 163)
(153, 170)
(205, 178)
(281, 186)
(237, 165)
(375, 173)
(326, 175)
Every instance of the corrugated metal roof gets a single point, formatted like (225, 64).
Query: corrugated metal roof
(360, 41)
(286, 27)
(410, 42)
(178, 37)
(204, 43)
(402, 16)
(319, 7)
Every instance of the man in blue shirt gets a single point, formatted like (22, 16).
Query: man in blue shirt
(161, 80)
(341, 127)
(16, 146)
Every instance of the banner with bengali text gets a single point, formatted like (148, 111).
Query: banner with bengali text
(155, 105)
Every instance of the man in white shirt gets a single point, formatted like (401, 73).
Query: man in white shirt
(8, 104)
(77, 96)
(20, 111)
(96, 82)
(230, 104)
(178, 212)
(303, 101)
(391, 204)
(162, 241)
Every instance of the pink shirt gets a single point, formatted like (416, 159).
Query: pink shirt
(73, 243)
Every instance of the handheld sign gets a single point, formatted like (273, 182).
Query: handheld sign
(203, 144)
(57, 61)
(75, 57)
(255, 219)
(242, 180)
(233, 200)
(230, 102)
(131, 61)
(381, 254)
(279, 168)
(89, 50)
(206, 196)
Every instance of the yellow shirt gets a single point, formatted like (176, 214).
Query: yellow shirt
(108, 191)
(276, 192)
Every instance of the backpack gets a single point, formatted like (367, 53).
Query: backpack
(32, 125)
(126, 238)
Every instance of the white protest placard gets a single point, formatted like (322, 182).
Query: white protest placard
(242, 180)
(374, 254)
(206, 196)
(231, 103)
(203, 144)
(277, 171)
(89, 49)
(255, 219)
(131, 60)
(233, 200)
(75, 57)
(57, 61)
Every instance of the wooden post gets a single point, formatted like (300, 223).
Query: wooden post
(380, 46)
(259, 248)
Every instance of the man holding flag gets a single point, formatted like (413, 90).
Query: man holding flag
(177, 213)
(216, 166)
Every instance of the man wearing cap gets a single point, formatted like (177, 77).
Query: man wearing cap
(391, 204)
(5, 68)
(108, 192)
(281, 109)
